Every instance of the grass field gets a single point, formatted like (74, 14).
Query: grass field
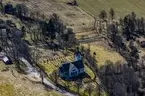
(121, 7)
(102, 55)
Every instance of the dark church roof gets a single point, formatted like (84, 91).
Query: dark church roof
(79, 64)
(65, 67)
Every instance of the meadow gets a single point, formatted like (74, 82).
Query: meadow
(103, 55)
(121, 7)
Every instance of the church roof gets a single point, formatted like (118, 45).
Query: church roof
(78, 64)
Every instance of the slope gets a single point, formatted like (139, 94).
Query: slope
(121, 7)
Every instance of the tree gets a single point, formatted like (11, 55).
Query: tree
(78, 83)
(43, 16)
(23, 29)
(90, 89)
(37, 14)
(112, 14)
(29, 26)
(75, 3)
(116, 38)
(142, 29)
(55, 77)
(133, 15)
(71, 38)
(129, 27)
(39, 33)
(66, 39)
(32, 14)
(121, 21)
(53, 26)
(99, 91)
(51, 29)
(95, 23)
(1, 6)
(21, 10)
(103, 14)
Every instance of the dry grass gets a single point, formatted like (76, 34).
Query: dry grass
(102, 54)
(73, 17)
(89, 72)
(21, 86)
(7, 89)
(2, 66)
(121, 7)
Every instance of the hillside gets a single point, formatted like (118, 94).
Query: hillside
(72, 16)
(121, 7)
(113, 55)
(13, 83)
(103, 55)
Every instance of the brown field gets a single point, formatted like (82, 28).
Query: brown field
(72, 16)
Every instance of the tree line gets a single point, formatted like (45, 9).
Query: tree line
(126, 35)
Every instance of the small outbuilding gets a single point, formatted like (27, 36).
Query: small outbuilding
(7, 60)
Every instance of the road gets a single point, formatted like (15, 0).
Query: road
(34, 73)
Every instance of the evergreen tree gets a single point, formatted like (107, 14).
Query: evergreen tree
(112, 14)
(103, 14)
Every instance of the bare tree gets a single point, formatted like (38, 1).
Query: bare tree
(37, 14)
(78, 83)
(56, 77)
(90, 89)
(21, 10)
(95, 23)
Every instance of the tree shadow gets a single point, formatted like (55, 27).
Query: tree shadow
(119, 79)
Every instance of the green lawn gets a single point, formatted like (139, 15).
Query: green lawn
(121, 7)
